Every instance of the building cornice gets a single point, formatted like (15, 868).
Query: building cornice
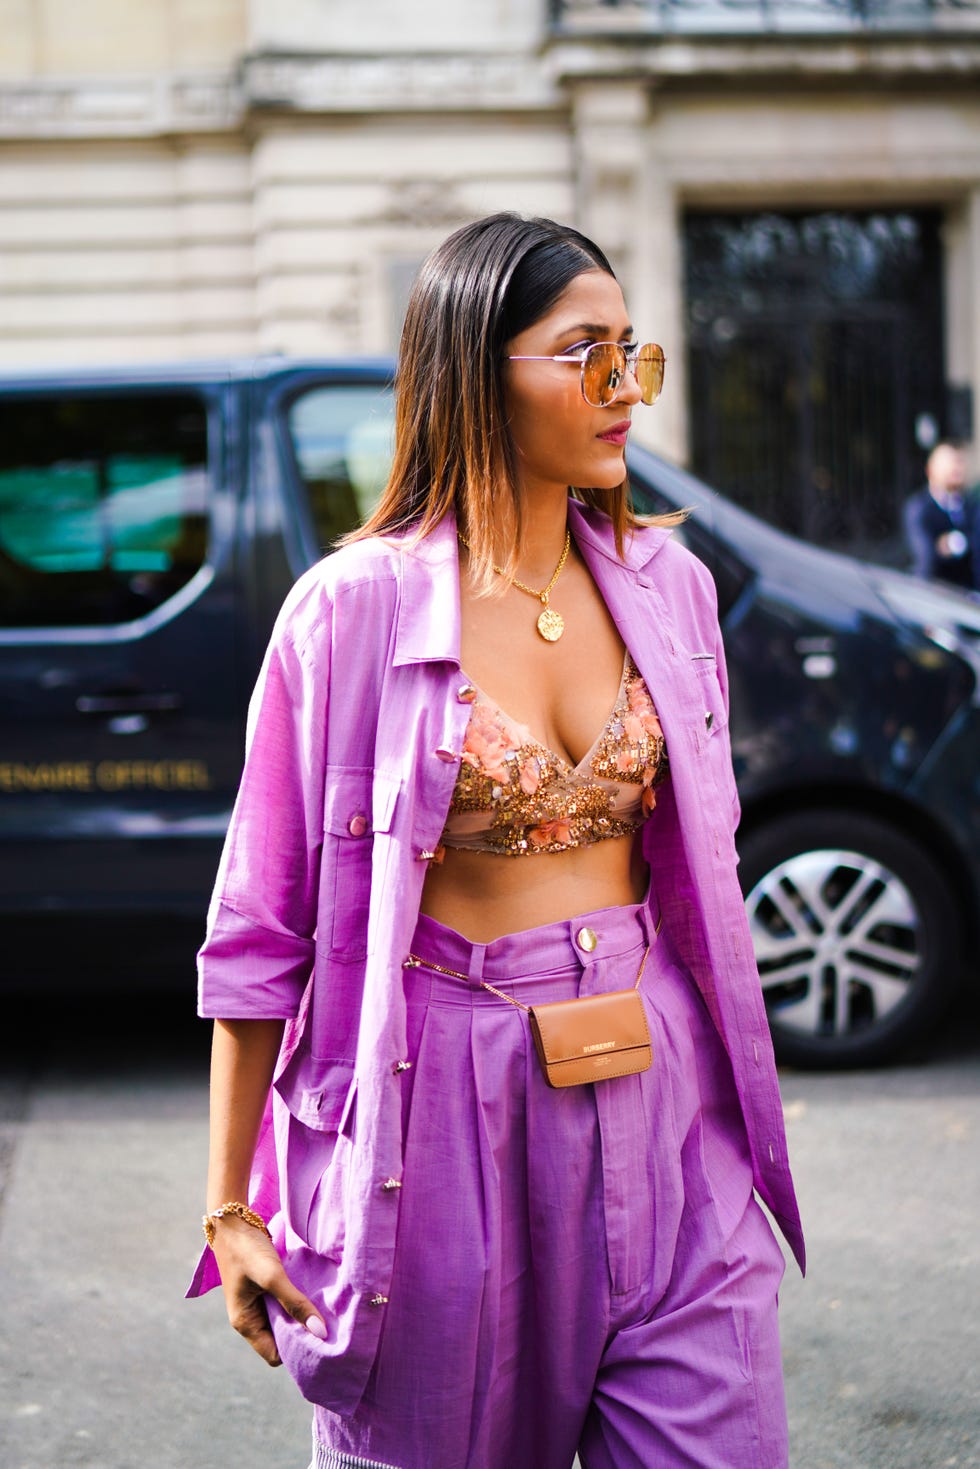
(120, 107)
(262, 83)
(396, 83)
(153, 106)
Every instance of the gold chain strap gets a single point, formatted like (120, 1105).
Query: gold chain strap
(414, 962)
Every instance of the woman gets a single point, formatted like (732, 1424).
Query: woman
(457, 802)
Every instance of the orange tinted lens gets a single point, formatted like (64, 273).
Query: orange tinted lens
(650, 371)
(602, 373)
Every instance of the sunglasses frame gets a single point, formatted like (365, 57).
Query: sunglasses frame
(631, 356)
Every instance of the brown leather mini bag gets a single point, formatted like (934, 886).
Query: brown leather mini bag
(592, 1038)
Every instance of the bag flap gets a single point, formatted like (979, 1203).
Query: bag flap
(570, 1030)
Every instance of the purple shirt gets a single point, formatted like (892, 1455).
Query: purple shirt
(354, 734)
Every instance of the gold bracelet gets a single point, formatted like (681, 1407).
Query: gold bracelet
(242, 1211)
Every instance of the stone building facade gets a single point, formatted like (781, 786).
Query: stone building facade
(203, 177)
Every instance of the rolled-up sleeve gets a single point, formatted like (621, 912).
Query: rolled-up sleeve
(258, 951)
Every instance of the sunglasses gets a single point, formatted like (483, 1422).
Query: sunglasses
(604, 366)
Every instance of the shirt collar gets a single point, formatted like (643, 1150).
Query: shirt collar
(593, 532)
(427, 627)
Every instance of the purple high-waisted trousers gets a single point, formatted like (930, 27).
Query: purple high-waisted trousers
(583, 1270)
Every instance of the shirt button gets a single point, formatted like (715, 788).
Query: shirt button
(379, 1300)
(709, 719)
(400, 1066)
(586, 939)
(466, 694)
(446, 756)
(390, 1184)
(357, 825)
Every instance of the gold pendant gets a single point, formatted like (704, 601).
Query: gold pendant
(551, 625)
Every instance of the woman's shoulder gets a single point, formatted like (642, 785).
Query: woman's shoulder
(687, 587)
(657, 557)
(363, 572)
(679, 561)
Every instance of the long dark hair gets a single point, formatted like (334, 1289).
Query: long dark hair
(482, 286)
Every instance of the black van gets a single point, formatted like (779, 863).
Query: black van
(151, 522)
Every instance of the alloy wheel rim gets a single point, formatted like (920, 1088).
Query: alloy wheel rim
(838, 940)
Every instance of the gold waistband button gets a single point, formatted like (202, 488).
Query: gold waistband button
(586, 939)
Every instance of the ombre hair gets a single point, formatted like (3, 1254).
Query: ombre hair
(481, 287)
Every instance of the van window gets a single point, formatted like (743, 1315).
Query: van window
(342, 439)
(103, 505)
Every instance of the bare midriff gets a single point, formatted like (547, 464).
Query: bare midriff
(484, 895)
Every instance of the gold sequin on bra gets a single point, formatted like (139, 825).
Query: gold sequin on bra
(515, 796)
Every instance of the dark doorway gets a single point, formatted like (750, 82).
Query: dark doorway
(815, 346)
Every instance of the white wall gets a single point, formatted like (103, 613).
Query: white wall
(125, 251)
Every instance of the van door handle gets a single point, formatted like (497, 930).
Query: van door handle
(127, 703)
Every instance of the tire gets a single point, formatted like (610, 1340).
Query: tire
(855, 933)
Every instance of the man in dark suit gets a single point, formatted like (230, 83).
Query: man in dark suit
(942, 522)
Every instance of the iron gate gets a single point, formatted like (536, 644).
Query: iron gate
(815, 345)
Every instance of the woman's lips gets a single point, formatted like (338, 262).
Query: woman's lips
(618, 434)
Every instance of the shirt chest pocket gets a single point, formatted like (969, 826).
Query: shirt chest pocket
(359, 804)
(712, 732)
(714, 715)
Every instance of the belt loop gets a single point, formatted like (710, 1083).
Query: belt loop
(650, 919)
(588, 955)
(474, 965)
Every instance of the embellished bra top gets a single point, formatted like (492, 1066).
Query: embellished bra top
(515, 796)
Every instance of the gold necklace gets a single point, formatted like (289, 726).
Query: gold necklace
(550, 623)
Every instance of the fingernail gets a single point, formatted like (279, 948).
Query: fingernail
(316, 1327)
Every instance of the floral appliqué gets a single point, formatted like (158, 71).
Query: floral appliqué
(537, 801)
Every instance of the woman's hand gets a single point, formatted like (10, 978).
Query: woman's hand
(243, 1056)
(250, 1268)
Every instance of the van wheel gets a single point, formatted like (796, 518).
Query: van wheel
(855, 933)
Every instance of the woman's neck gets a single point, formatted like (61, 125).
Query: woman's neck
(542, 537)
